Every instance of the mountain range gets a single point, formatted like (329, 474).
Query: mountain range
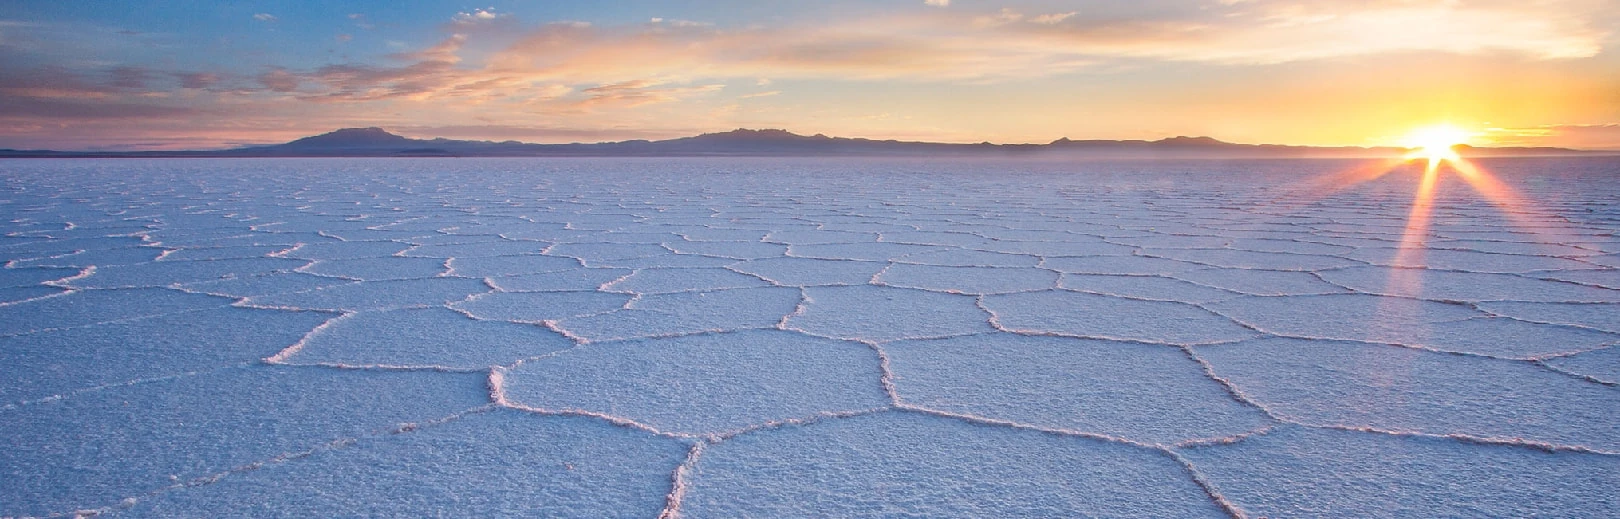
(377, 142)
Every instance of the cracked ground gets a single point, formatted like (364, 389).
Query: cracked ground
(780, 338)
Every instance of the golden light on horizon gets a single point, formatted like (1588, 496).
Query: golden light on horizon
(1435, 143)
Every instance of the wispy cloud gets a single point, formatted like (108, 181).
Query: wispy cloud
(1053, 18)
(477, 15)
(467, 20)
(360, 21)
(265, 17)
(56, 109)
(280, 80)
(197, 79)
(640, 92)
(1008, 44)
(1580, 136)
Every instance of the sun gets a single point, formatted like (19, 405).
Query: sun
(1435, 143)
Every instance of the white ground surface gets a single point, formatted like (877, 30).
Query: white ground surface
(783, 338)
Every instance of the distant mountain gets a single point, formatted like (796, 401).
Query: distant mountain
(376, 142)
(352, 138)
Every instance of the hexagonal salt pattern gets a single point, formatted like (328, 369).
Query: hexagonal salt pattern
(784, 337)
(1076, 314)
(1061, 383)
(1402, 389)
(909, 464)
(703, 384)
(1304, 472)
(497, 463)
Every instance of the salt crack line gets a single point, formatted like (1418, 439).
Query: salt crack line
(1231, 388)
(1555, 369)
(1489, 313)
(432, 368)
(673, 335)
(886, 375)
(682, 475)
(1428, 349)
(1026, 427)
(1207, 486)
(1131, 340)
(4, 304)
(798, 310)
(497, 394)
(801, 421)
(875, 277)
(867, 341)
(555, 325)
(281, 356)
(680, 482)
(956, 292)
(67, 282)
(1469, 438)
(1222, 440)
(283, 253)
(604, 286)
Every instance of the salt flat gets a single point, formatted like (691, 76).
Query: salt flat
(797, 337)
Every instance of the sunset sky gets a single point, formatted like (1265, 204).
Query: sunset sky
(212, 74)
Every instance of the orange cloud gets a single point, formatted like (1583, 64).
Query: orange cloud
(951, 45)
(1581, 136)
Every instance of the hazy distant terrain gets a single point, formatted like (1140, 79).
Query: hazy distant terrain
(376, 142)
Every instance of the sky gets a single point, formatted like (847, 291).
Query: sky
(182, 74)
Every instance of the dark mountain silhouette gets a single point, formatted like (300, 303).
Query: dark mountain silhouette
(353, 138)
(376, 142)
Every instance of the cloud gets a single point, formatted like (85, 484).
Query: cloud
(197, 79)
(1007, 16)
(279, 80)
(678, 22)
(639, 92)
(478, 15)
(760, 94)
(364, 83)
(1276, 31)
(1007, 45)
(937, 3)
(129, 78)
(265, 17)
(444, 51)
(465, 20)
(1049, 19)
(1002, 17)
(56, 109)
(52, 83)
(1578, 136)
(584, 54)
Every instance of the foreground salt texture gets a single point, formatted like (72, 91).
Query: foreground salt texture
(777, 338)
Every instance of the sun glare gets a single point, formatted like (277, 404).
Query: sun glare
(1435, 142)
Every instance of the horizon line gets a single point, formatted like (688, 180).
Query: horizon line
(120, 149)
